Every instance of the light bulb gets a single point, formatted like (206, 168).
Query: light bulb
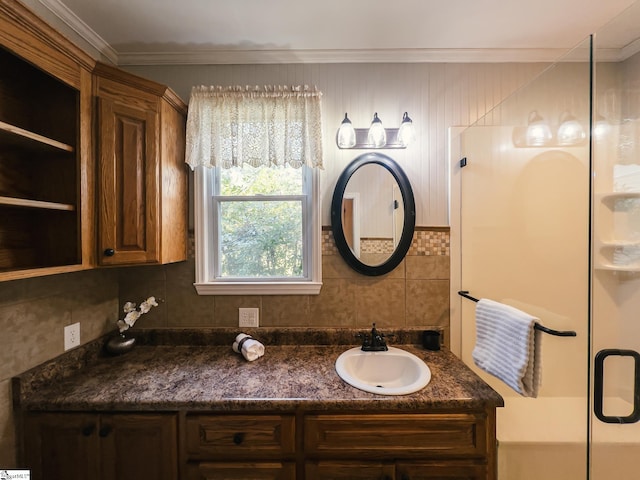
(346, 137)
(377, 136)
(406, 133)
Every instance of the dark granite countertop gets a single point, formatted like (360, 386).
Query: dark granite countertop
(188, 374)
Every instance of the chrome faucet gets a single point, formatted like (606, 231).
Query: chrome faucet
(375, 342)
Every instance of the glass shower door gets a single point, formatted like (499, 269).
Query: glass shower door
(524, 236)
(615, 345)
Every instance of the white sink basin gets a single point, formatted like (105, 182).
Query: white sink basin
(394, 372)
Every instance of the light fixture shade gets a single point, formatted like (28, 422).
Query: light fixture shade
(346, 134)
(538, 131)
(570, 131)
(406, 133)
(377, 136)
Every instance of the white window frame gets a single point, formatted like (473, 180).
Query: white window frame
(205, 218)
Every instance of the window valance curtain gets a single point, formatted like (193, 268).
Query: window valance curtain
(272, 125)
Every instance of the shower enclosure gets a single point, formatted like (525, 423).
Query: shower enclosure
(545, 202)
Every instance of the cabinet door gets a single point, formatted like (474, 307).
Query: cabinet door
(61, 446)
(128, 183)
(138, 447)
(241, 471)
(349, 470)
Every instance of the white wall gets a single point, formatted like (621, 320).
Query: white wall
(436, 96)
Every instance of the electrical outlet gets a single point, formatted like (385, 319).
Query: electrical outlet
(248, 317)
(71, 336)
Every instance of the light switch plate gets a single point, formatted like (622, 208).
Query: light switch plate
(248, 317)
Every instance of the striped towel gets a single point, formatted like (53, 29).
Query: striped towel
(508, 346)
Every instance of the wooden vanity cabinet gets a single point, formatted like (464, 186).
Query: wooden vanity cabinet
(142, 177)
(341, 446)
(81, 446)
(46, 165)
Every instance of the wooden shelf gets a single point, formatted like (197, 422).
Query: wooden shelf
(617, 268)
(27, 203)
(19, 137)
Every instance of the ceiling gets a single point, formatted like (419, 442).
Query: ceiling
(279, 31)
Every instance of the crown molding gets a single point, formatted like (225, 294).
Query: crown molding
(441, 55)
(629, 50)
(228, 56)
(85, 32)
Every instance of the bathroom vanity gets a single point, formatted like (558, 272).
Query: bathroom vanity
(180, 407)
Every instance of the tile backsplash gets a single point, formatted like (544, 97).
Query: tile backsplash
(416, 293)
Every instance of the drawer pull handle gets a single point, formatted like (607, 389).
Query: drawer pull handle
(88, 430)
(109, 252)
(238, 438)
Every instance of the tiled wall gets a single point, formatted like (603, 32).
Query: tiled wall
(416, 293)
(33, 314)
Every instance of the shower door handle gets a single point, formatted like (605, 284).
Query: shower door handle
(599, 386)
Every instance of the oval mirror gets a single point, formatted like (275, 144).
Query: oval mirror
(373, 214)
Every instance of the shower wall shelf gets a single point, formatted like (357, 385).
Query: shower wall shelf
(613, 196)
(614, 223)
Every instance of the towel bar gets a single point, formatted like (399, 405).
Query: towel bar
(557, 333)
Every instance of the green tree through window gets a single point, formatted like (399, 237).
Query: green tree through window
(261, 212)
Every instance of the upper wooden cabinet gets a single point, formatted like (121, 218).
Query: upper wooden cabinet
(46, 162)
(142, 177)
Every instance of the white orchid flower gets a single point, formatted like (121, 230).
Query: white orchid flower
(147, 304)
(129, 307)
(131, 318)
(132, 315)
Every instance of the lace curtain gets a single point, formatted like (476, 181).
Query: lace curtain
(275, 125)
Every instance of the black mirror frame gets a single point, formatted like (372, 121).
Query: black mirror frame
(409, 214)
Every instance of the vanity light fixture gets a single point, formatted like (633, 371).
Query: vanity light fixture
(376, 136)
(538, 131)
(570, 131)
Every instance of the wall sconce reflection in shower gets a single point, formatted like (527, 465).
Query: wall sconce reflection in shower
(601, 127)
(538, 131)
(570, 132)
(376, 136)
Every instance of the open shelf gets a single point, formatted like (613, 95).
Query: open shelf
(13, 136)
(27, 203)
(40, 213)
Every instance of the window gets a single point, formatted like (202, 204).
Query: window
(257, 204)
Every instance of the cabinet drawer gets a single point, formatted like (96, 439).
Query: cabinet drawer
(229, 436)
(440, 471)
(241, 471)
(395, 436)
(348, 470)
